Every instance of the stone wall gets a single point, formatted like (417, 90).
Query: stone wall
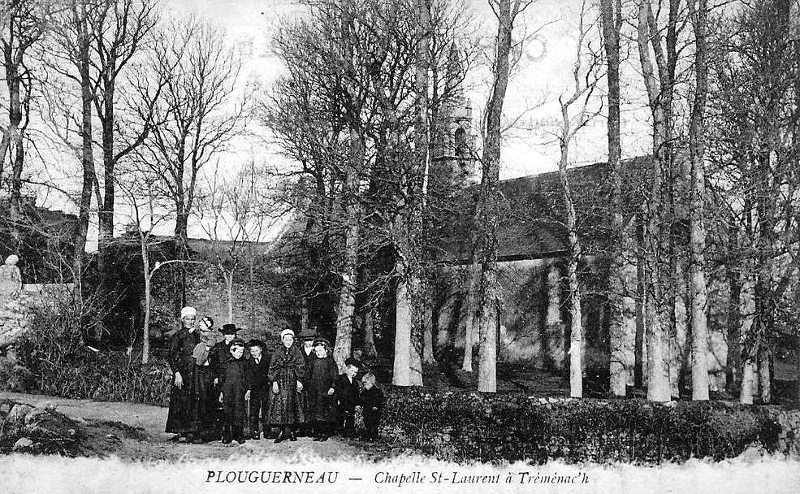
(261, 306)
(16, 311)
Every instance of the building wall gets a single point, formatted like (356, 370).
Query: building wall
(260, 309)
(534, 321)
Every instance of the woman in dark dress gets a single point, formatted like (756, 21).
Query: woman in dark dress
(182, 402)
(321, 375)
(204, 393)
(286, 371)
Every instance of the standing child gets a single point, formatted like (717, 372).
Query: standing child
(372, 406)
(259, 387)
(235, 390)
(347, 396)
(320, 378)
(286, 371)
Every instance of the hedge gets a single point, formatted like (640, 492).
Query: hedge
(494, 428)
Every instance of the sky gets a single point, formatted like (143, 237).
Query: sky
(544, 73)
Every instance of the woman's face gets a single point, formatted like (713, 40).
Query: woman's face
(188, 322)
(287, 340)
(321, 351)
(255, 351)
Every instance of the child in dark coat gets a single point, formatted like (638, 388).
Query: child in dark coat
(235, 389)
(258, 367)
(371, 406)
(346, 389)
(320, 379)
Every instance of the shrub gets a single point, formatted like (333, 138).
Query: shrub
(53, 350)
(470, 426)
(14, 377)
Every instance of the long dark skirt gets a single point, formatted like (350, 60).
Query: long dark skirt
(286, 407)
(182, 405)
(206, 404)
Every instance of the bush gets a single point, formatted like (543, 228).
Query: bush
(53, 350)
(14, 377)
(470, 426)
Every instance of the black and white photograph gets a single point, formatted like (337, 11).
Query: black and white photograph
(359, 246)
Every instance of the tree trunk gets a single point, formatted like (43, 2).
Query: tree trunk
(229, 288)
(733, 340)
(765, 374)
(403, 346)
(105, 215)
(611, 24)
(487, 350)
(699, 328)
(639, 355)
(304, 314)
(147, 301)
(489, 196)
(182, 253)
(369, 335)
(574, 248)
(87, 158)
(747, 313)
(427, 336)
(576, 328)
(469, 308)
(347, 299)
(658, 245)
(749, 383)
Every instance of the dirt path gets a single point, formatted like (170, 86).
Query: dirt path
(157, 444)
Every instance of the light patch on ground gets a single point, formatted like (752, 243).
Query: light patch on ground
(23, 474)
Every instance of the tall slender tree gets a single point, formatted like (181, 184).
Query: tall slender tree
(699, 326)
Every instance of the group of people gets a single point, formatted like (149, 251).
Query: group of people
(220, 386)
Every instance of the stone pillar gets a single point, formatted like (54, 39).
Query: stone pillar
(10, 279)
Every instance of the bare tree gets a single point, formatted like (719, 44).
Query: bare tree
(660, 86)
(198, 112)
(147, 213)
(70, 57)
(482, 299)
(620, 341)
(584, 80)
(24, 25)
(234, 214)
(119, 32)
(699, 327)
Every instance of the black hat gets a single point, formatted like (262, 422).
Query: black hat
(237, 342)
(228, 328)
(255, 342)
(322, 341)
(353, 361)
(308, 334)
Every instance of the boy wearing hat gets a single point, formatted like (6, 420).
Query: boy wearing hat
(320, 378)
(347, 396)
(222, 350)
(235, 389)
(259, 390)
